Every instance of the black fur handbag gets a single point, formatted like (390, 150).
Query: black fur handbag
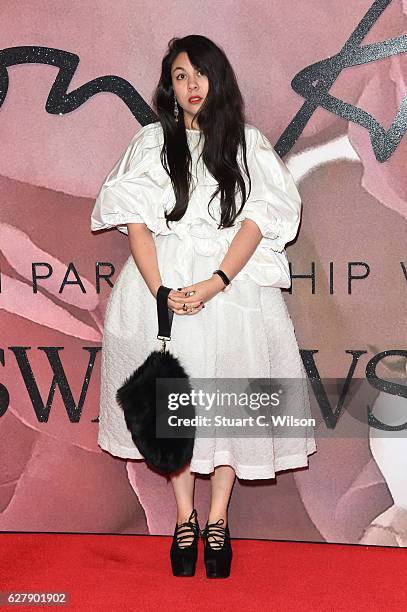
(145, 411)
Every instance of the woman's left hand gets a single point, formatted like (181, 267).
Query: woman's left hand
(202, 291)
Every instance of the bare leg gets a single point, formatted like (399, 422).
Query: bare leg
(222, 481)
(183, 484)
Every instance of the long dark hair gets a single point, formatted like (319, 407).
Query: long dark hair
(221, 121)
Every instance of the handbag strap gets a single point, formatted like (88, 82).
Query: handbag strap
(165, 314)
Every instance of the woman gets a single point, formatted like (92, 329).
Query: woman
(208, 207)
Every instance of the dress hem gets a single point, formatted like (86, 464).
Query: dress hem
(253, 472)
(245, 472)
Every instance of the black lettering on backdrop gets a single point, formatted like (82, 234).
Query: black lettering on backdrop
(59, 379)
(100, 275)
(4, 394)
(329, 415)
(385, 386)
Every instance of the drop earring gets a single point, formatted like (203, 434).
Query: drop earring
(176, 110)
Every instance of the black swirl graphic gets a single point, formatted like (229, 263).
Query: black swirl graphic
(312, 83)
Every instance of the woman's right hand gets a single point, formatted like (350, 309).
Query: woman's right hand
(193, 307)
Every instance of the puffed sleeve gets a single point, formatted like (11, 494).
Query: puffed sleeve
(274, 203)
(131, 192)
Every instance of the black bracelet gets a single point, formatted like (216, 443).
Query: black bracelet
(223, 276)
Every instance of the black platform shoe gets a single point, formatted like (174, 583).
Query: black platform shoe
(183, 558)
(218, 549)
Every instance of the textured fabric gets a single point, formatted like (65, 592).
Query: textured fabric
(243, 332)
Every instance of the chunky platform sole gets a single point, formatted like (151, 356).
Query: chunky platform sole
(217, 559)
(184, 566)
(217, 568)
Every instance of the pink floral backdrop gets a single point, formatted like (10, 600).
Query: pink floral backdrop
(53, 476)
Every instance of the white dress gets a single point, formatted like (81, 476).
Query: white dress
(243, 332)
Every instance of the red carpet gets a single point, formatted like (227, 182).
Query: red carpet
(133, 573)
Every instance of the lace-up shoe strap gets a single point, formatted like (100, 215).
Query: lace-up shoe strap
(215, 534)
